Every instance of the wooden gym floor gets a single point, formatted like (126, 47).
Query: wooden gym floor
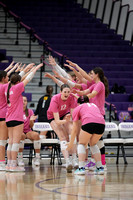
(52, 183)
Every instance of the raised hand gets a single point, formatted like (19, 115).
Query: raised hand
(29, 67)
(71, 63)
(51, 61)
(48, 75)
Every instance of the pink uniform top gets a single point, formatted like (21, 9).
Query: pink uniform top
(88, 113)
(15, 108)
(86, 86)
(26, 120)
(60, 106)
(99, 99)
(3, 104)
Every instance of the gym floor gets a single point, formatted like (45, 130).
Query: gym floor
(53, 183)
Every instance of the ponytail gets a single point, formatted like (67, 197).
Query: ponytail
(15, 78)
(26, 112)
(106, 84)
(9, 86)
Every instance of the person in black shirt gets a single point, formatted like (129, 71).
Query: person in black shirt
(42, 107)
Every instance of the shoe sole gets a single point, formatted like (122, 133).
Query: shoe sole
(69, 169)
(82, 173)
(11, 170)
(1, 170)
(99, 173)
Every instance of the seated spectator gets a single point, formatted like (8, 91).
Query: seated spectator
(42, 107)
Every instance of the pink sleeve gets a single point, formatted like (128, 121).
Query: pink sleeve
(19, 88)
(75, 114)
(84, 86)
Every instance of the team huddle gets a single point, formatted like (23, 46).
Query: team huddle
(76, 115)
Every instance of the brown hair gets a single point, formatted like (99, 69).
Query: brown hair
(3, 74)
(26, 110)
(13, 80)
(49, 90)
(83, 99)
(99, 71)
(64, 86)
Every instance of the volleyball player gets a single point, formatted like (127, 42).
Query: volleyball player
(3, 127)
(93, 125)
(59, 115)
(96, 94)
(14, 116)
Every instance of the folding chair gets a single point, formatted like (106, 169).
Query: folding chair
(54, 142)
(112, 127)
(127, 127)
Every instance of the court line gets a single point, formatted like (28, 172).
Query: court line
(55, 190)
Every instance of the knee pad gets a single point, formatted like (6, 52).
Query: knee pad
(81, 149)
(3, 143)
(100, 144)
(9, 147)
(21, 144)
(75, 141)
(94, 149)
(37, 144)
(15, 147)
(63, 145)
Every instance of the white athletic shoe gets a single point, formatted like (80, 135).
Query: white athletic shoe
(20, 162)
(80, 171)
(99, 171)
(75, 163)
(69, 166)
(36, 161)
(105, 167)
(16, 169)
(2, 167)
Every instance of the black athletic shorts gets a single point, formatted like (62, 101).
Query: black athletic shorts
(13, 123)
(94, 128)
(2, 119)
(61, 118)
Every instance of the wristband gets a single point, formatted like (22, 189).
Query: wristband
(22, 73)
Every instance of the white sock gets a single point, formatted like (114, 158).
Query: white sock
(93, 160)
(20, 154)
(14, 163)
(74, 156)
(81, 164)
(37, 155)
(99, 164)
(8, 162)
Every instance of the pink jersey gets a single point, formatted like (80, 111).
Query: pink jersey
(88, 113)
(60, 106)
(26, 120)
(86, 86)
(15, 108)
(3, 104)
(99, 99)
